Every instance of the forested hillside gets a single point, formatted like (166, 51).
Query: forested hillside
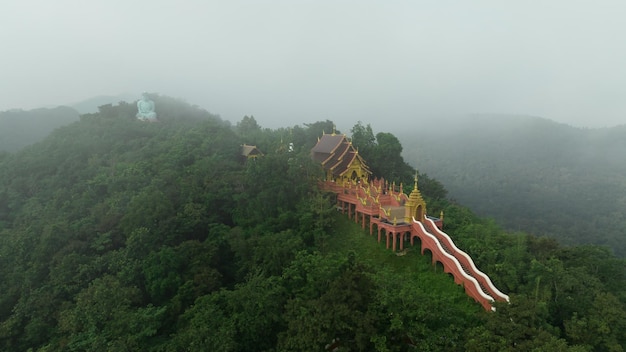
(532, 174)
(19, 128)
(122, 235)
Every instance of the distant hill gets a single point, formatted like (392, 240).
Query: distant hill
(91, 105)
(19, 128)
(531, 174)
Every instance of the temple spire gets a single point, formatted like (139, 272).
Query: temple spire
(415, 187)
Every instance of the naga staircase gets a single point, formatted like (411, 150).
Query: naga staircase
(398, 217)
(386, 209)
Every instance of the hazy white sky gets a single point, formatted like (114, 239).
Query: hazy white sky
(285, 62)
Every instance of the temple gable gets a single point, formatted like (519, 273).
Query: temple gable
(340, 160)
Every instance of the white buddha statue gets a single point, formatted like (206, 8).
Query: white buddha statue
(145, 109)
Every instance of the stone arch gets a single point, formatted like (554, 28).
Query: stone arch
(389, 237)
(426, 252)
(373, 226)
(405, 236)
(416, 241)
(451, 275)
(382, 231)
(439, 265)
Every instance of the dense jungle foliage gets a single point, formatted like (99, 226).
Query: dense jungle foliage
(532, 174)
(121, 235)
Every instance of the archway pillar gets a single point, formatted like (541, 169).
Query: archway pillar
(387, 236)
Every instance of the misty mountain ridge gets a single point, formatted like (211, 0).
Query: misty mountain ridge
(528, 173)
(532, 174)
(91, 105)
(19, 128)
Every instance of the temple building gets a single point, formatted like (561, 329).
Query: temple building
(340, 160)
(249, 152)
(400, 219)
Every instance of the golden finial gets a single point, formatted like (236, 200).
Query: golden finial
(415, 187)
(441, 215)
(395, 221)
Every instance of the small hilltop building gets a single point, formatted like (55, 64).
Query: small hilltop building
(250, 152)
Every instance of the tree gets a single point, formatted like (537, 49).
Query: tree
(520, 325)
(247, 318)
(105, 317)
(249, 129)
(602, 328)
(328, 308)
(363, 138)
(383, 154)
